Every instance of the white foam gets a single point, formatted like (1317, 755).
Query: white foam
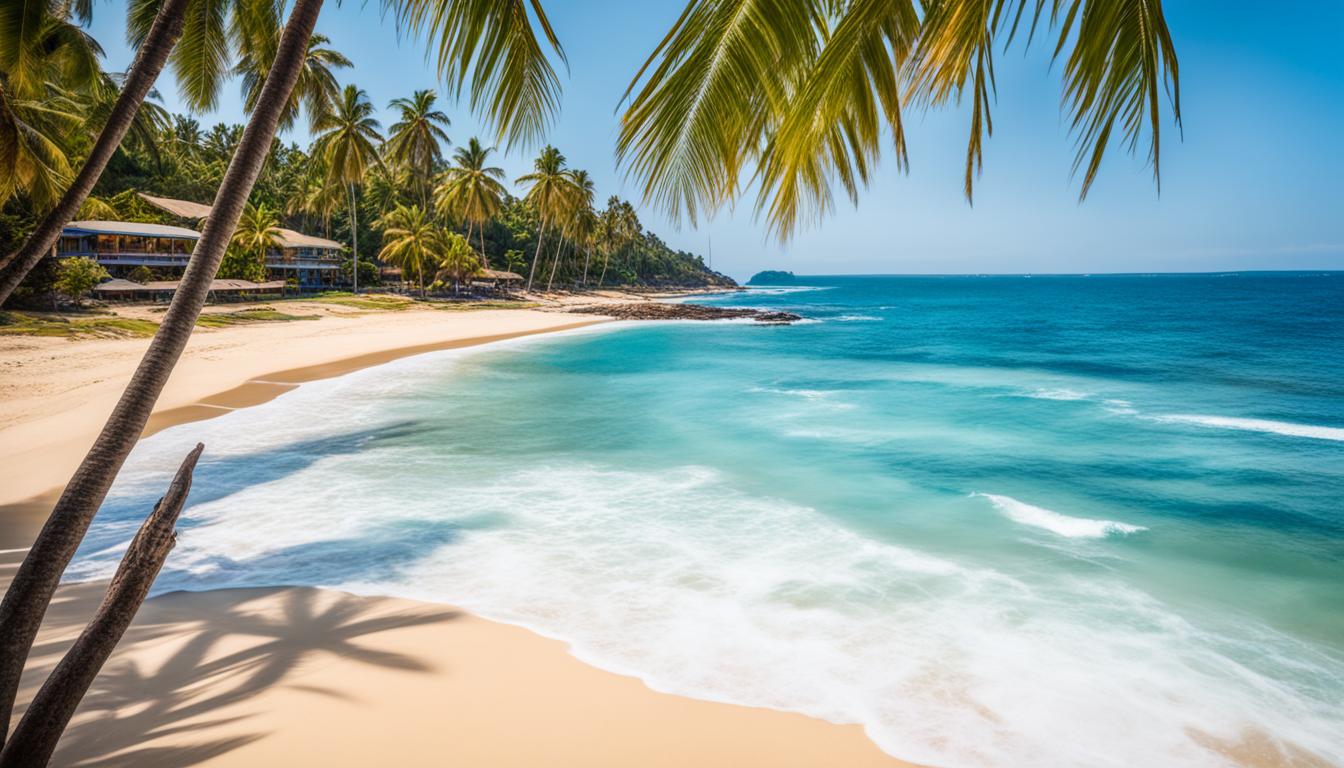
(1063, 525)
(857, 319)
(1057, 393)
(1257, 425)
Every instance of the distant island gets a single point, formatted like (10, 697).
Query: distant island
(772, 277)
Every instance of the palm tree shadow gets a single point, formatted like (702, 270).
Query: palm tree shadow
(226, 652)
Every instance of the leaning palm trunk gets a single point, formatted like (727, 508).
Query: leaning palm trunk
(587, 256)
(35, 582)
(149, 61)
(485, 262)
(354, 240)
(36, 735)
(536, 256)
(606, 259)
(555, 262)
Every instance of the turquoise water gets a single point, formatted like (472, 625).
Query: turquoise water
(996, 520)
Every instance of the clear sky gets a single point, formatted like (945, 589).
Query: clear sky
(1254, 184)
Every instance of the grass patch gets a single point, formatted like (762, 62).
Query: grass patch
(472, 306)
(106, 327)
(245, 316)
(371, 301)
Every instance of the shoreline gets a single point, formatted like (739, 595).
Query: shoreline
(431, 681)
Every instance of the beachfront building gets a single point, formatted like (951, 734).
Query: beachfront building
(304, 260)
(121, 246)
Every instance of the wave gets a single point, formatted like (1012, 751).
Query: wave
(857, 319)
(1063, 525)
(1284, 428)
(1056, 393)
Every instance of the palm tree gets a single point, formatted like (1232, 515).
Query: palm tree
(457, 261)
(578, 198)
(807, 91)
(472, 190)
(258, 230)
(547, 188)
(347, 141)
(316, 90)
(492, 40)
(412, 240)
(619, 227)
(413, 141)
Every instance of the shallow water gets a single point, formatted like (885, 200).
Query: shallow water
(998, 521)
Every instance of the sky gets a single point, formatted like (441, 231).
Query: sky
(1250, 183)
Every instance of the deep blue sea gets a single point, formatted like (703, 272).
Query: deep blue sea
(999, 521)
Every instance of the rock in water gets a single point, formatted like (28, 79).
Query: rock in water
(653, 310)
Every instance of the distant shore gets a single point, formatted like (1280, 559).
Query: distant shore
(280, 676)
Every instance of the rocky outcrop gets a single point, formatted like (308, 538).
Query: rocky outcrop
(652, 310)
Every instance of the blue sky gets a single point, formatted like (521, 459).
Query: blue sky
(1253, 184)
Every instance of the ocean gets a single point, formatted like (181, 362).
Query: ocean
(996, 520)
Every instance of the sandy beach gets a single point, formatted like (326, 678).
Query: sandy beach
(287, 676)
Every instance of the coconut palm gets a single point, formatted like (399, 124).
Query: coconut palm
(347, 141)
(490, 39)
(258, 230)
(578, 198)
(413, 142)
(472, 190)
(547, 188)
(799, 94)
(316, 90)
(412, 240)
(457, 262)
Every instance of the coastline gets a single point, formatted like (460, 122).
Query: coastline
(277, 675)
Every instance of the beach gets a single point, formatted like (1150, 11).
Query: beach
(282, 676)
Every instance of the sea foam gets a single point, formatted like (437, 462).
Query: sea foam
(1063, 525)
(1284, 428)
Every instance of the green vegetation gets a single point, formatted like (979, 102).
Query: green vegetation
(246, 316)
(372, 301)
(772, 277)
(41, 324)
(76, 277)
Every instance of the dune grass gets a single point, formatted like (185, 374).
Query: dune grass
(370, 301)
(109, 327)
(471, 306)
(250, 315)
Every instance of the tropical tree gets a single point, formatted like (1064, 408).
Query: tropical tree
(487, 46)
(412, 240)
(347, 142)
(618, 227)
(471, 190)
(413, 142)
(78, 275)
(457, 262)
(578, 204)
(316, 90)
(258, 231)
(547, 192)
(796, 95)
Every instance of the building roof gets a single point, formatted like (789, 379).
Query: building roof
(218, 284)
(494, 274)
(291, 239)
(130, 228)
(181, 208)
(188, 210)
(117, 284)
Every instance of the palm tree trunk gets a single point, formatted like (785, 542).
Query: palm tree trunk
(485, 262)
(163, 35)
(35, 581)
(37, 733)
(606, 259)
(587, 255)
(536, 256)
(555, 262)
(354, 239)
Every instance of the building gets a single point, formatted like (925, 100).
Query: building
(310, 262)
(121, 246)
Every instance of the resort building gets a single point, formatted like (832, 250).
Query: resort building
(120, 246)
(312, 262)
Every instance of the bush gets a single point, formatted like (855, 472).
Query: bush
(78, 275)
(141, 275)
